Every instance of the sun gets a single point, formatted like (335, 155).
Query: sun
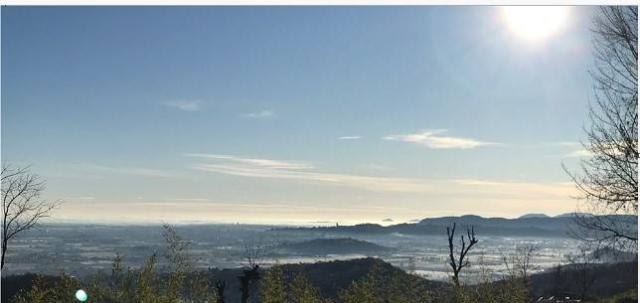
(535, 23)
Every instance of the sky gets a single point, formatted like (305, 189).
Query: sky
(295, 115)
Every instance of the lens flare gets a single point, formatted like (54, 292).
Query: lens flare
(81, 295)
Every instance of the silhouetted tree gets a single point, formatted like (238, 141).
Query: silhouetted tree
(584, 274)
(179, 262)
(457, 261)
(61, 289)
(519, 266)
(362, 291)
(520, 262)
(200, 288)
(608, 179)
(272, 286)
(560, 279)
(509, 289)
(220, 286)
(22, 207)
(248, 275)
(251, 273)
(383, 284)
(301, 291)
(147, 289)
(36, 294)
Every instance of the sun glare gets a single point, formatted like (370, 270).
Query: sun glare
(534, 23)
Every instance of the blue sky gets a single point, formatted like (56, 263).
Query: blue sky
(293, 114)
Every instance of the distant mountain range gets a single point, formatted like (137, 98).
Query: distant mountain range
(533, 216)
(527, 225)
(567, 215)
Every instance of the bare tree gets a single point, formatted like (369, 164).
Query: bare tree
(248, 276)
(458, 262)
(608, 179)
(584, 273)
(522, 261)
(252, 254)
(220, 287)
(22, 206)
(251, 273)
(519, 266)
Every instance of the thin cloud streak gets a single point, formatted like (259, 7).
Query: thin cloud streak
(566, 143)
(256, 168)
(260, 115)
(580, 153)
(349, 138)
(135, 171)
(301, 171)
(205, 203)
(185, 105)
(434, 139)
(264, 163)
(362, 182)
(611, 149)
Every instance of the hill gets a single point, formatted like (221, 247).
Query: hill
(596, 280)
(539, 226)
(612, 255)
(525, 216)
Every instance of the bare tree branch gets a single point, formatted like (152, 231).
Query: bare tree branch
(608, 180)
(22, 207)
(458, 264)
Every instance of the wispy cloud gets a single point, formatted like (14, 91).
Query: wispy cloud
(565, 143)
(128, 170)
(410, 196)
(601, 149)
(259, 163)
(185, 105)
(301, 171)
(262, 114)
(435, 140)
(297, 171)
(349, 138)
(262, 206)
(579, 153)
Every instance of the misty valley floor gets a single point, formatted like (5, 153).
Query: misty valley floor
(83, 249)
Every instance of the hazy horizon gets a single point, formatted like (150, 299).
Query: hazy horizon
(155, 222)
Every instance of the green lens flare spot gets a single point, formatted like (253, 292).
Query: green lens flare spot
(81, 295)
